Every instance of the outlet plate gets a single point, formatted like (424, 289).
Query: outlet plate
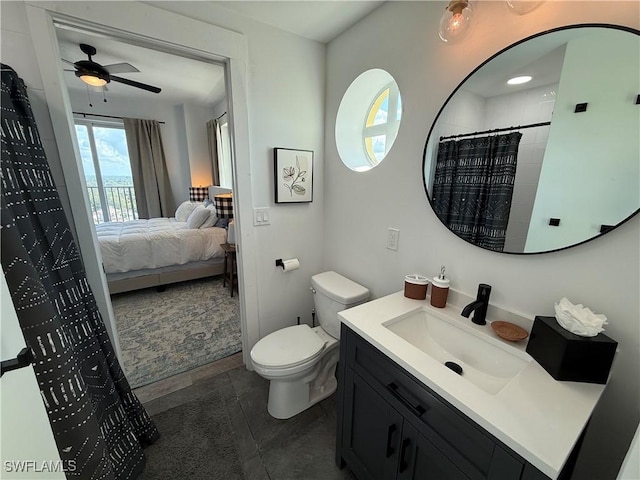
(393, 238)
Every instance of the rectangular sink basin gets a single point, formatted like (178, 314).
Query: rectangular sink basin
(485, 362)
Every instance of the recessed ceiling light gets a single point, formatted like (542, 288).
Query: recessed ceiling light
(519, 80)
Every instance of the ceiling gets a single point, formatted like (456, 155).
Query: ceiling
(184, 80)
(541, 57)
(316, 20)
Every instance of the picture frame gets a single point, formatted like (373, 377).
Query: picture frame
(293, 175)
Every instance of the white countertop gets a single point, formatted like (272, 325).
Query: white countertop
(537, 416)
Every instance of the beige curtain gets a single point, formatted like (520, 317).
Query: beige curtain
(148, 168)
(213, 138)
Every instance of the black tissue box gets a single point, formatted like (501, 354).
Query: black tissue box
(567, 356)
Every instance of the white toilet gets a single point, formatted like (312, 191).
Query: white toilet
(301, 361)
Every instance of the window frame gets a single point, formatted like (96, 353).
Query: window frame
(388, 128)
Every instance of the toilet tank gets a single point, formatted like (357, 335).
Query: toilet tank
(332, 294)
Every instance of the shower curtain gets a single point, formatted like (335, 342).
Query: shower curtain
(473, 187)
(98, 424)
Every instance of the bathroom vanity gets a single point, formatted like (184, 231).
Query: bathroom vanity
(403, 414)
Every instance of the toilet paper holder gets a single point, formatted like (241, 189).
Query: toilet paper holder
(288, 265)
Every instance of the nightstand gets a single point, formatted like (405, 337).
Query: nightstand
(230, 267)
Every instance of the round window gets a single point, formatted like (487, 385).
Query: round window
(368, 120)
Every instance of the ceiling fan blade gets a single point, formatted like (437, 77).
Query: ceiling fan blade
(123, 67)
(67, 61)
(132, 83)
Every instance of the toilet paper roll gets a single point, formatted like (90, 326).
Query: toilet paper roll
(291, 264)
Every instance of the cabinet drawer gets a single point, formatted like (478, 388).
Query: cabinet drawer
(449, 431)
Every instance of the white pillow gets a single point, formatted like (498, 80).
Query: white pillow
(213, 218)
(198, 217)
(184, 210)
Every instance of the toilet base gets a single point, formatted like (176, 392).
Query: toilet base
(289, 398)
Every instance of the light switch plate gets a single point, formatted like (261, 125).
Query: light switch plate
(261, 216)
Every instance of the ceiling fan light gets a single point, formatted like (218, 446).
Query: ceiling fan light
(93, 80)
(456, 21)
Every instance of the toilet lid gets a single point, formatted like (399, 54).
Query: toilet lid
(287, 347)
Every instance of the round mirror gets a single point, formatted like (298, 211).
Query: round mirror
(537, 149)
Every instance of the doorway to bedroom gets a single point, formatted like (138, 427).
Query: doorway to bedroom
(186, 318)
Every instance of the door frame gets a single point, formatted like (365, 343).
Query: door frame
(177, 35)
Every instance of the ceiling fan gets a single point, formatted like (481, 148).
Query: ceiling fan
(97, 75)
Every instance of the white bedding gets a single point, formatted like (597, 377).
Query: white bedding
(156, 242)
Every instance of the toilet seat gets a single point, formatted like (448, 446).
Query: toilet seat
(287, 348)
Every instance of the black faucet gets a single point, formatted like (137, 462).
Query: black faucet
(479, 305)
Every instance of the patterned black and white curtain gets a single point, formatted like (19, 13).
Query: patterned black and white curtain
(473, 187)
(99, 425)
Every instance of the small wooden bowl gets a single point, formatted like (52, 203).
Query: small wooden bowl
(509, 331)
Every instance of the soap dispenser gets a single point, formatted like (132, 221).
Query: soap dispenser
(439, 290)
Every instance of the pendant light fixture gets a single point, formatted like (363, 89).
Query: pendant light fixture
(456, 21)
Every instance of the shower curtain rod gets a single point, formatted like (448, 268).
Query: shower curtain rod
(99, 115)
(495, 130)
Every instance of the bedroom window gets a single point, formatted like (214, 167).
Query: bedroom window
(107, 171)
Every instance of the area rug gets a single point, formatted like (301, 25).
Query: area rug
(196, 442)
(165, 333)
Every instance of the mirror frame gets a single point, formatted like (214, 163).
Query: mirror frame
(435, 121)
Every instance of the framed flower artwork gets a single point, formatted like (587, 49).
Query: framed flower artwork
(293, 175)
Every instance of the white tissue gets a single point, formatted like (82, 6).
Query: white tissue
(578, 319)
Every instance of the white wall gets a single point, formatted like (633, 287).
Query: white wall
(196, 118)
(575, 150)
(360, 207)
(286, 109)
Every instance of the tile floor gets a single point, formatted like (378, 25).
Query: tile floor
(301, 448)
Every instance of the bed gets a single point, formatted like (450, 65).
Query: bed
(159, 251)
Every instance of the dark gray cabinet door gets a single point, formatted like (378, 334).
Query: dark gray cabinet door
(421, 460)
(371, 431)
